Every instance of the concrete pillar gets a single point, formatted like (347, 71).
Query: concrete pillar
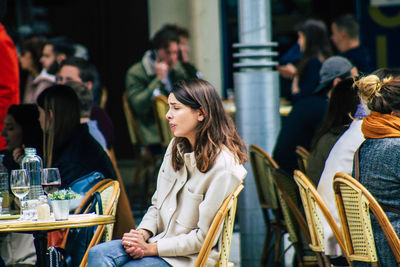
(257, 105)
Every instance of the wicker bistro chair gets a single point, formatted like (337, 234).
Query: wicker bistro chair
(311, 203)
(354, 203)
(160, 107)
(104, 97)
(109, 193)
(302, 156)
(294, 219)
(225, 217)
(79, 210)
(262, 165)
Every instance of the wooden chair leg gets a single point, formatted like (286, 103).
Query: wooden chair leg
(326, 260)
(299, 256)
(278, 248)
(266, 251)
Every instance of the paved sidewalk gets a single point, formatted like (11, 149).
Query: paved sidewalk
(235, 249)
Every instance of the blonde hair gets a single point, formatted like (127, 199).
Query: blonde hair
(380, 94)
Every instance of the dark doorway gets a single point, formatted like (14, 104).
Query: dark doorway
(115, 33)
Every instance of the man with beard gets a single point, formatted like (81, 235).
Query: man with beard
(55, 51)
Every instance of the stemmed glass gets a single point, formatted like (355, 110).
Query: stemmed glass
(20, 185)
(51, 180)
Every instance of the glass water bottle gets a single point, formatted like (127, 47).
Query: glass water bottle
(32, 163)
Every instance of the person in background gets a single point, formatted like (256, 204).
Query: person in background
(55, 51)
(155, 74)
(22, 129)
(184, 49)
(86, 103)
(342, 107)
(345, 36)
(378, 154)
(313, 42)
(81, 70)
(202, 166)
(340, 159)
(300, 126)
(9, 72)
(29, 58)
(68, 144)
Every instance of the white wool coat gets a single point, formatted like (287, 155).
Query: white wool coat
(185, 203)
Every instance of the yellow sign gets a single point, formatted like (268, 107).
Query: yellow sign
(381, 19)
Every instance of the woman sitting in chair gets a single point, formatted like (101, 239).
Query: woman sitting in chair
(68, 144)
(202, 166)
(341, 111)
(379, 161)
(21, 129)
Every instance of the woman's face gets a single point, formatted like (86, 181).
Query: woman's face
(26, 60)
(182, 119)
(301, 41)
(12, 133)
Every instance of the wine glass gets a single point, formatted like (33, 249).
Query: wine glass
(20, 184)
(51, 180)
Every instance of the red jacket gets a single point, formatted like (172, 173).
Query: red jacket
(9, 77)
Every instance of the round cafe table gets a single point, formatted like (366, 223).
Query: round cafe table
(39, 229)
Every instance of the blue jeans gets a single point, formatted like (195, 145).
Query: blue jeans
(112, 254)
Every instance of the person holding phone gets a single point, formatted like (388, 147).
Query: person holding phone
(184, 49)
(155, 74)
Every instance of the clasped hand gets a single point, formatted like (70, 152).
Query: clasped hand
(134, 244)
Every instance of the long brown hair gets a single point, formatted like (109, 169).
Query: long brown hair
(342, 107)
(62, 101)
(317, 42)
(215, 131)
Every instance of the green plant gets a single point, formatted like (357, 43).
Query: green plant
(64, 194)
